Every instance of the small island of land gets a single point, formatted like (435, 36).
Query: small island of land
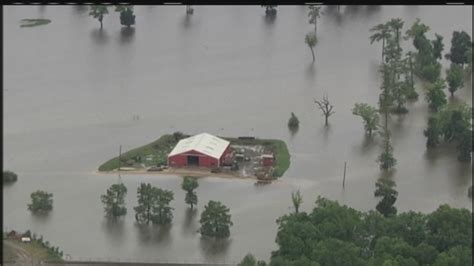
(247, 159)
(33, 22)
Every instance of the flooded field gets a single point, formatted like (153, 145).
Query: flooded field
(71, 93)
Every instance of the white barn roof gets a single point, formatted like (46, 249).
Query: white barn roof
(204, 143)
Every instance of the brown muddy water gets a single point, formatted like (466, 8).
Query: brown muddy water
(71, 91)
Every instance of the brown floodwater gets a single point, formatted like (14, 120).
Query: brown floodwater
(71, 91)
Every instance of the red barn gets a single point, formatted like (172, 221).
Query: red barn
(203, 150)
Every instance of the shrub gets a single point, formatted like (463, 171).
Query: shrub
(9, 177)
(293, 122)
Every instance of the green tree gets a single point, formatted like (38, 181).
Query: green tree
(98, 12)
(294, 122)
(311, 40)
(215, 220)
(270, 10)
(460, 44)
(326, 108)
(454, 77)
(425, 254)
(469, 59)
(386, 159)
(385, 189)
(417, 33)
(409, 69)
(146, 203)
(162, 212)
(189, 185)
(393, 247)
(297, 199)
(381, 32)
(396, 25)
(449, 227)
(436, 97)
(459, 255)
(438, 46)
(41, 201)
(9, 177)
(127, 18)
(336, 252)
(114, 201)
(432, 133)
(453, 120)
(369, 115)
(313, 14)
(248, 260)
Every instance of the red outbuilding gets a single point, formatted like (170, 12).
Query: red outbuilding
(267, 159)
(203, 150)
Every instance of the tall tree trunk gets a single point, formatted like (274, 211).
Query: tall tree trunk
(315, 27)
(312, 52)
(100, 20)
(383, 49)
(326, 120)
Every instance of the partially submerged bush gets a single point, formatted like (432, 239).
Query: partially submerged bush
(9, 177)
(294, 122)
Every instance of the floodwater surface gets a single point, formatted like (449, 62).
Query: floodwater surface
(71, 91)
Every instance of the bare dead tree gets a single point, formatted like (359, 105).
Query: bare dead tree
(326, 107)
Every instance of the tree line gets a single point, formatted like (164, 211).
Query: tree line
(334, 234)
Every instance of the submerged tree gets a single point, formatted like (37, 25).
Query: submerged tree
(127, 18)
(460, 45)
(396, 25)
(454, 77)
(215, 220)
(294, 122)
(311, 40)
(438, 46)
(162, 212)
(9, 177)
(41, 201)
(189, 185)
(313, 14)
(98, 12)
(146, 203)
(114, 201)
(409, 71)
(326, 107)
(386, 159)
(436, 97)
(381, 33)
(297, 199)
(369, 115)
(385, 189)
(453, 124)
(432, 133)
(270, 10)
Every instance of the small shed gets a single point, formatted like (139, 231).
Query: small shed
(25, 239)
(267, 159)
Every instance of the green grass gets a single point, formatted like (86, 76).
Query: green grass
(32, 22)
(34, 249)
(160, 149)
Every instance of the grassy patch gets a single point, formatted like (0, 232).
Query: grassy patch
(32, 22)
(152, 154)
(156, 153)
(34, 249)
